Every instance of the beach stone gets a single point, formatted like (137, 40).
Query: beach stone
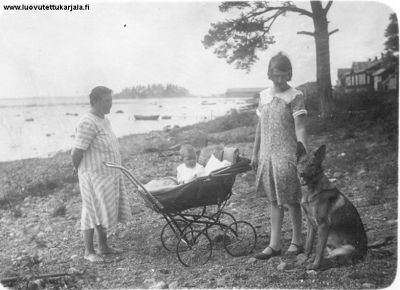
(301, 259)
(160, 285)
(392, 222)
(149, 282)
(282, 266)
(173, 285)
(17, 213)
(337, 175)
(74, 257)
(221, 282)
(368, 285)
(123, 234)
(48, 229)
(312, 272)
(361, 171)
(136, 209)
(164, 271)
(251, 260)
(59, 210)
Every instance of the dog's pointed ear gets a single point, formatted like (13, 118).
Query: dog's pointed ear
(320, 153)
(301, 150)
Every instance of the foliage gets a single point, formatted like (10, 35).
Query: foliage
(238, 39)
(392, 34)
(153, 91)
(231, 121)
(365, 111)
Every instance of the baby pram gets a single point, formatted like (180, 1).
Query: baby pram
(188, 232)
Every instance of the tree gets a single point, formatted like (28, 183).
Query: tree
(239, 39)
(153, 91)
(392, 34)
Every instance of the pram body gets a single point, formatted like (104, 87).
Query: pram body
(188, 233)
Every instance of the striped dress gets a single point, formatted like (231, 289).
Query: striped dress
(104, 197)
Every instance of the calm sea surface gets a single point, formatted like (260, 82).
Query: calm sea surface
(40, 127)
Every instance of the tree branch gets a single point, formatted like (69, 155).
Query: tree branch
(289, 8)
(333, 31)
(306, 33)
(293, 8)
(274, 17)
(327, 7)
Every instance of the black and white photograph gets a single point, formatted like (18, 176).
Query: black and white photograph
(199, 144)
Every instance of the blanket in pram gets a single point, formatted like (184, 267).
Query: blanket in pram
(203, 191)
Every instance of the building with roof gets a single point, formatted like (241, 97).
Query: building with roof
(371, 75)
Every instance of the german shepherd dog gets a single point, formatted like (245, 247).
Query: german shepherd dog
(329, 213)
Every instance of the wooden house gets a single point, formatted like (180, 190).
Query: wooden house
(371, 75)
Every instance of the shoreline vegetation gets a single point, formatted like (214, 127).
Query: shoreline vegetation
(153, 91)
(40, 206)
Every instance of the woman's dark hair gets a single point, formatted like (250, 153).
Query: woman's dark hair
(281, 62)
(97, 93)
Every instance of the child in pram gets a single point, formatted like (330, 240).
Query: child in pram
(190, 168)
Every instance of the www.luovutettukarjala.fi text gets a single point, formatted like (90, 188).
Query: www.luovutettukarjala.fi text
(47, 7)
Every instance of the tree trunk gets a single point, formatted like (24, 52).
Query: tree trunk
(321, 37)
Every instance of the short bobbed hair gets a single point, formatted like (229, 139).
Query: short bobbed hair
(280, 62)
(187, 150)
(97, 93)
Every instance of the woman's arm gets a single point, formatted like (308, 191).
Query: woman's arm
(256, 148)
(76, 155)
(300, 128)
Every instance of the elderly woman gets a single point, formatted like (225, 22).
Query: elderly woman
(104, 199)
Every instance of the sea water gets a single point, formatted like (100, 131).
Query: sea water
(41, 127)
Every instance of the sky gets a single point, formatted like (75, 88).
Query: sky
(121, 44)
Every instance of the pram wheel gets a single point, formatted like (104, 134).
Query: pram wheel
(224, 218)
(194, 248)
(172, 231)
(240, 238)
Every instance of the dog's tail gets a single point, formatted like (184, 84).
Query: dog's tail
(344, 250)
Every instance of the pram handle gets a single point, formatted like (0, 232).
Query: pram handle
(135, 181)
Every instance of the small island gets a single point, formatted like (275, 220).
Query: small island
(153, 91)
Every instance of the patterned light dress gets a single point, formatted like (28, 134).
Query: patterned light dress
(277, 174)
(104, 197)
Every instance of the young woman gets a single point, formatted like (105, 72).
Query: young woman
(281, 124)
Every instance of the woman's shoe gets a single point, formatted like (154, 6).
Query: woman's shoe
(266, 256)
(299, 250)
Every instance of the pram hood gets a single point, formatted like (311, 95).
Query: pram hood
(208, 190)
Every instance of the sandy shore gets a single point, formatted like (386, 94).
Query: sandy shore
(360, 161)
(42, 176)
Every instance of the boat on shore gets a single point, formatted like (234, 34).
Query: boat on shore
(146, 117)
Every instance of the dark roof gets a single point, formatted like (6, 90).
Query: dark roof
(360, 66)
(342, 71)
